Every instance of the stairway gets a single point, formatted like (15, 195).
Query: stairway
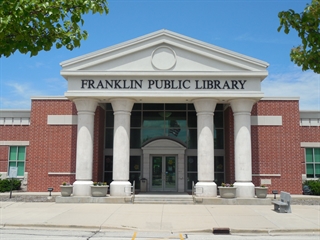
(170, 198)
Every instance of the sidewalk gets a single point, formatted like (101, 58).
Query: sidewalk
(161, 217)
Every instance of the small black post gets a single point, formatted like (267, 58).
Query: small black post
(11, 187)
(275, 192)
(50, 189)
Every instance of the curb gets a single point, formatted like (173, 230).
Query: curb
(273, 231)
(105, 228)
(12, 225)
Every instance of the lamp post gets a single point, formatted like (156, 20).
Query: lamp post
(50, 189)
(275, 192)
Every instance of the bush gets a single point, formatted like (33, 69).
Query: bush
(314, 186)
(5, 184)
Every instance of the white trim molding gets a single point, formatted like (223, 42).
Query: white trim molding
(14, 143)
(280, 99)
(49, 98)
(310, 118)
(266, 120)
(310, 144)
(15, 117)
(62, 120)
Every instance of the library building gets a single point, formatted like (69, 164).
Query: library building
(166, 110)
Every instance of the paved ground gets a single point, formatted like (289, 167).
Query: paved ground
(162, 217)
(19, 196)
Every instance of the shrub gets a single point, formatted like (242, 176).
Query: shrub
(314, 186)
(5, 184)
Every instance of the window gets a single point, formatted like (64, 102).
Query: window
(313, 162)
(108, 166)
(17, 158)
(135, 171)
(150, 121)
(218, 127)
(192, 168)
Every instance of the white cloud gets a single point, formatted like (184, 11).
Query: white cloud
(6, 103)
(295, 83)
(57, 84)
(23, 90)
(17, 95)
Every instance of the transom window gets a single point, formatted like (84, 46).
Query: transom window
(149, 121)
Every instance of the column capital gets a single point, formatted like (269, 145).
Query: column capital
(242, 105)
(86, 104)
(122, 104)
(205, 104)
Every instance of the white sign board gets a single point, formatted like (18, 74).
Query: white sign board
(13, 172)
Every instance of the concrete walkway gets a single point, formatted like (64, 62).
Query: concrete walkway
(161, 217)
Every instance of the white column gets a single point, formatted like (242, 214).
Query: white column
(120, 186)
(86, 108)
(242, 147)
(205, 110)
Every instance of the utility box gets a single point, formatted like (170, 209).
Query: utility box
(143, 185)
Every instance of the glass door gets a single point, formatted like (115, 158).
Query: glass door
(163, 173)
(157, 183)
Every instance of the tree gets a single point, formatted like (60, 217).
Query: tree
(306, 55)
(36, 25)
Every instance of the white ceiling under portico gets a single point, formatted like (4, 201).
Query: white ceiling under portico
(163, 55)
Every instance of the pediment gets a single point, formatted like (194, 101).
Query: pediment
(159, 52)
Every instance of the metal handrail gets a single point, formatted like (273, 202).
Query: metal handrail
(193, 192)
(133, 191)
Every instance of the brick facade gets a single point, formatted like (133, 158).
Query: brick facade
(229, 145)
(11, 133)
(53, 147)
(51, 155)
(276, 149)
(98, 146)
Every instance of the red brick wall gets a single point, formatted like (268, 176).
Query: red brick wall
(11, 133)
(276, 149)
(309, 134)
(98, 146)
(52, 147)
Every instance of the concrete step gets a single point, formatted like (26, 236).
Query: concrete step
(163, 199)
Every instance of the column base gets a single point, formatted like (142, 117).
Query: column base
(82, 188)
(245, 189)
(120, 188)
(206, 189)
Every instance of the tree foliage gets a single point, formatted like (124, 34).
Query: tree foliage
(307, 54)
(31, 26)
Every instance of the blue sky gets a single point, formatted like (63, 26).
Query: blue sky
(247, 27)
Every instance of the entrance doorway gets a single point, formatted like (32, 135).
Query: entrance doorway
(163, 173)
